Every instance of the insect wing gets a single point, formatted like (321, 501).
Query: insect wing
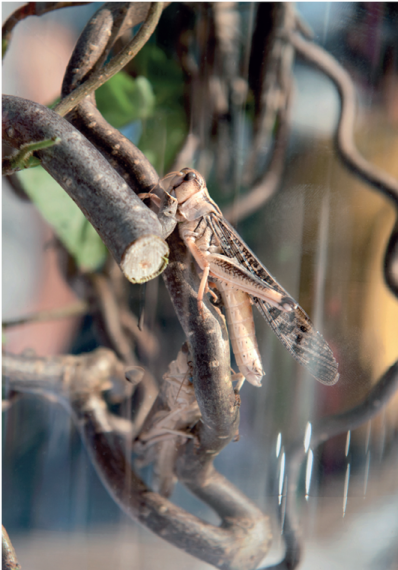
(293, 328)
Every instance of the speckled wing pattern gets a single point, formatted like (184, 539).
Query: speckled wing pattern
(293, 328)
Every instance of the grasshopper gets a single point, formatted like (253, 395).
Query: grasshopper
(169, 423)
(242, 280)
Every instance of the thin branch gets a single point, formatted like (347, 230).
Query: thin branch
(30, 9)
(145, 340)
(8, 557)
(390, 265)
(66, 376)
(101, 31)
(128, 228)
(187, 152)
(273, 80)
(110, 312)
(116, 64)
(111, 315)
(345, 131)
(72, 310)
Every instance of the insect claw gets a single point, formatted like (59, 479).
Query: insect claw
(200, 308)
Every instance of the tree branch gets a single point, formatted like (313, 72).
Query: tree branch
(102, 31)
(242, 539)
(345, 129)
(30, 9)
(128, 228)
(73, 310)
(115, 65)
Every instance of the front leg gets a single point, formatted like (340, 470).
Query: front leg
(167, 210)
(201, 260)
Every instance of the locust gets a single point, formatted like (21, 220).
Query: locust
(224, 258)
(169, 424)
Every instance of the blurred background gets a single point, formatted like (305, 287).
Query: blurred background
(322, 234)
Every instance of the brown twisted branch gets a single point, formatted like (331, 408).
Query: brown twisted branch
(345, 130)
(78, 382)
(116, 64)
(102, 31)
(30, 9)
(128, 228)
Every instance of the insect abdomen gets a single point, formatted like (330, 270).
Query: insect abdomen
(242, 333)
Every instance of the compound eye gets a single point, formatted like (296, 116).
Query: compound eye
(189, 176)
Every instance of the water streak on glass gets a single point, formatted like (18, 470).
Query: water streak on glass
(347, 443)
(278, 444)
(307, 436)
(281, 476)
(308, 473)
(346, 483)
(382, 436)
(368, 433)
(367, 466)
(283, 513)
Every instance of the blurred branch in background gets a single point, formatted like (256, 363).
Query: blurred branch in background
(30, 9)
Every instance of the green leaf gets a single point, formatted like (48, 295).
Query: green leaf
(165, 131)
(163, 137)
(123, 99)
(73, 229)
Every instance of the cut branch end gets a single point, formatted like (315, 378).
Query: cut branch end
(144, 259)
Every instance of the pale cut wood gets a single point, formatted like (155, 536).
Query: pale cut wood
(131, 232)
(144, 259)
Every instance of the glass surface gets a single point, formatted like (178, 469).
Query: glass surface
(322, 235)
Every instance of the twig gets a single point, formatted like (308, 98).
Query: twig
(30, 9)
(8, 557)
(101, 31)
(112, 319)
(74, 309)
(115, 65)
(145, 340)
(209, 345)
(65, 376)
(110, 312)
(322, 430)
(345, 130)
(128, 228)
